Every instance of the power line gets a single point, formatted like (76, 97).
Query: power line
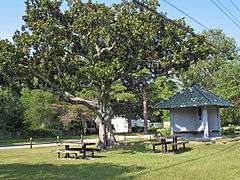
(225, 13)
(186, 14)
(233, 3)
(180, 26)
(228, 11)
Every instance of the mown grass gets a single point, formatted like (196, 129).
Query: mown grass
(216, 161)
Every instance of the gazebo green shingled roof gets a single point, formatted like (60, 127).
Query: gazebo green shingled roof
(194, 96)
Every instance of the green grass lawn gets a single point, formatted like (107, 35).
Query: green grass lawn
(133, 162)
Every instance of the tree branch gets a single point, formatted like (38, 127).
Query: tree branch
(100, 51)
(92, 105)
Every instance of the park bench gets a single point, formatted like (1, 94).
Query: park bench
(67, 153)
(86, 149)
(164, 142)
(76, 151)
(175, 144)
(181, 143)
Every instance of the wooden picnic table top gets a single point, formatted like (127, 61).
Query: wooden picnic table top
(79, 143)
(168, 137)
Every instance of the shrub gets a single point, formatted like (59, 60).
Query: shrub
(137, 129)
(164, 132)
(11, 114)
(41, 133)
(152, 130)
(37, 111)
(229, 130)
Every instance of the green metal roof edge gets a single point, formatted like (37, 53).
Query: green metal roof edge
(220, 102)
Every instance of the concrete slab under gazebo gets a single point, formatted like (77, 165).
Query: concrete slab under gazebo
(194, 113)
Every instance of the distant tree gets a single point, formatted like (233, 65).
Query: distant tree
(125, 103)
(162, 88)
(227, 86)
(11, 114)
(219, 73)
(38, 113)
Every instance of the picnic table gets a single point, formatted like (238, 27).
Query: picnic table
(76, 150)
(165, 141)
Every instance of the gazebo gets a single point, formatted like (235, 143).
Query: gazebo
(194, 113)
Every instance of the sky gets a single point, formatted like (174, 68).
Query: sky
(11, 12)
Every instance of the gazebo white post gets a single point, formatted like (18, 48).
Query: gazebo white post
(219, 120)
(205, 122)
(171, 122)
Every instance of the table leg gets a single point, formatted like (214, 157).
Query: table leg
(84, 151)
(174, 148)
(67, 154)
(165, 148)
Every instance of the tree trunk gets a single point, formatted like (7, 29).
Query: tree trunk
(106, 135)
(101, 132)
(111, 138)
(145, 117)
(129, 125)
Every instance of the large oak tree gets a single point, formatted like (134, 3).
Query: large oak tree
(94, 47)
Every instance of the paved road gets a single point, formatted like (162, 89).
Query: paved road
(48, 144)
(43, 144)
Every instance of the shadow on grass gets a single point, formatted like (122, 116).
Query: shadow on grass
(179, 151)
(194, 159)
(140, 147)
(132, 148)
(183, 150)
(67, 171)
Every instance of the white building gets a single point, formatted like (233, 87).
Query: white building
(120, 124)
(194, 112)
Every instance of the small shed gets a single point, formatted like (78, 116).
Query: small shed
(194, 113)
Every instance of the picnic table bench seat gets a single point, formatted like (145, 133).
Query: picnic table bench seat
(175, 144)
(76, 151)
(179, 143)
(86, 149)
(67, 152)
(164, 142)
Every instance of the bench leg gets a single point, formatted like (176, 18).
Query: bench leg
(92, 153)
(174, 148)
(84, 154)
(67, 155)
(165, 148)
(76, 156)
(184, 146)
(154, 149)
(58, 155)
